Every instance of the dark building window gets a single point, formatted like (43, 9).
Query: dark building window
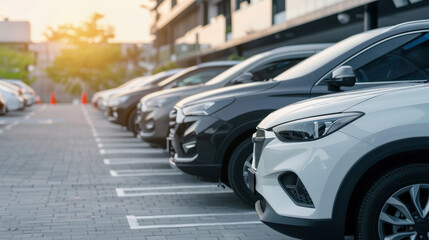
(279, 11)
(238, 2)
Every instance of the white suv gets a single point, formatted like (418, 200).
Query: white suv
(354, 163)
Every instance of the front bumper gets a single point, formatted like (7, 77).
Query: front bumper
(116, 115)
(196, 141)
(320, 165)
(154, 126)
(297, 227)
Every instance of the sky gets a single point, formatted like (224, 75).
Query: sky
(131, 22)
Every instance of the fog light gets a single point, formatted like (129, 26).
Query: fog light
(150, 125)
(188, 146)
(296, 190)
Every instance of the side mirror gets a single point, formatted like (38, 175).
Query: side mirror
(246, 77)
(343, 76)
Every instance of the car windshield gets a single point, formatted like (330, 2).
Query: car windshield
(233, 70)
(316, 61)
(176, 76)
(142, 81)
(130, 82)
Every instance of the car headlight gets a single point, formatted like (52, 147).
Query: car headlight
(313, 128)
(118, 100)
(206, 108)
(158, 103)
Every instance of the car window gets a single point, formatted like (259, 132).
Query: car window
(200, 77)
(331, 53)
(407, 62)
(272, 69)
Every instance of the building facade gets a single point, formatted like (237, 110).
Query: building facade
(192, 31)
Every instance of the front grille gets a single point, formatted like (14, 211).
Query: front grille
(259, 143)
(296, 190)
(172, 122)
(145, 121)
(139, 109)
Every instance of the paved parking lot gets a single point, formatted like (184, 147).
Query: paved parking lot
(67, 173)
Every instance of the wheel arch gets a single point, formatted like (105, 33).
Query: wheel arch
(232, 141)
(129, 111)
(367, 169)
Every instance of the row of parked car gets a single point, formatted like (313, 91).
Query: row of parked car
(15, 95)
(354, 162)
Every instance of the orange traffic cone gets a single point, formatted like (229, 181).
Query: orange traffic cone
(53, 98)
(39, 101)
(83, 98)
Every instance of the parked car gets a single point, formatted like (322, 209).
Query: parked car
(122, 107)
(352, 163)
(213, 133)
(156, 107)
(28, 91)
(3, 105)
(101, 99)
(16, 89)
(13, 99)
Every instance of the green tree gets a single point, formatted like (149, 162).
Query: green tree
(165, 67)
(14, 64)
(235, 56)
(90, 63)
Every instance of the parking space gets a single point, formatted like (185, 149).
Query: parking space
(67, 173)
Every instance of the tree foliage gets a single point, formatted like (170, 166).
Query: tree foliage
(235, 56)
(91, 63)
(89, 32)
(165, 67)
(14, 64)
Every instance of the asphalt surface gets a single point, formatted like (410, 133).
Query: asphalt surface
(67, 173)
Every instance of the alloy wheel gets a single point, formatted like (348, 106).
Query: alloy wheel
(405, 214)
(247, 164)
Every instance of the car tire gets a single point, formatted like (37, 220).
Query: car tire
(131, 125)
(379, 201)
(236, 175)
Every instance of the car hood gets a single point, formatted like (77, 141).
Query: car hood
(133, 92)
(328, 104)
(226, 92)
(172, 93)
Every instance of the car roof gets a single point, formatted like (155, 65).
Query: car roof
(298, 48)
(411, 25)
(218, 63)
(9, 85)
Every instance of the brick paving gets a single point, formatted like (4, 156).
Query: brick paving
(54, 184)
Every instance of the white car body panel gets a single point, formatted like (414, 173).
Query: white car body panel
(13, 100)
(390, 114)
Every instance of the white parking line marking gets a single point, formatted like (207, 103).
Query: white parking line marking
(120, 161)
(123, 145)
(116, 140)
(144, 172)
(133, 220)
(129, 150)
(171, 190)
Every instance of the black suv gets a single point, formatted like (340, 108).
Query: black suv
(213, 130)
(156, 107)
